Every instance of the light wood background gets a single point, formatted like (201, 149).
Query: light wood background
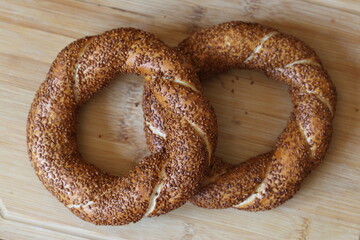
(251, 110)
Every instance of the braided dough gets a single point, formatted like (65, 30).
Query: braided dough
(268, 180)
(162, 181)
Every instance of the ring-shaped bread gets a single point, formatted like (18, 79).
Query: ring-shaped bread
(162, 181)
(268, 180)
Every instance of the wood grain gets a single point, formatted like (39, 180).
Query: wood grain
(251, 110)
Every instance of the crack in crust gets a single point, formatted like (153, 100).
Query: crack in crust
(185, 84)
(160, 182)
(76, 71)
(203, 136)
(268, 180)
(155, 130)
(79, 205)
(303, 61)
(156, 193)
(258, 48)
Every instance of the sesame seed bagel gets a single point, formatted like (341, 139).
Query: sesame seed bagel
(162, 181)
(268, 180)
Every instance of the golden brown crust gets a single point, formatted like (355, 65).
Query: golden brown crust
(174, 172)
(268, 180)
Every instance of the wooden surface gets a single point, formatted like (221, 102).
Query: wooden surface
(251, 110)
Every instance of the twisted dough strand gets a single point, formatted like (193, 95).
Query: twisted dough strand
(268, 180)
(162, 181)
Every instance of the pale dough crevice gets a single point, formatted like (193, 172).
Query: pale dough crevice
(258, 48)
(76, 71)
(155, 130)
(156, 192)
(185, 84)
(79, 205)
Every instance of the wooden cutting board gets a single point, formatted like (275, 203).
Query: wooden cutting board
(251, 110)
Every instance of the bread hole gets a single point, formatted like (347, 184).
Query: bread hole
(251, 109)
(110, 126)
